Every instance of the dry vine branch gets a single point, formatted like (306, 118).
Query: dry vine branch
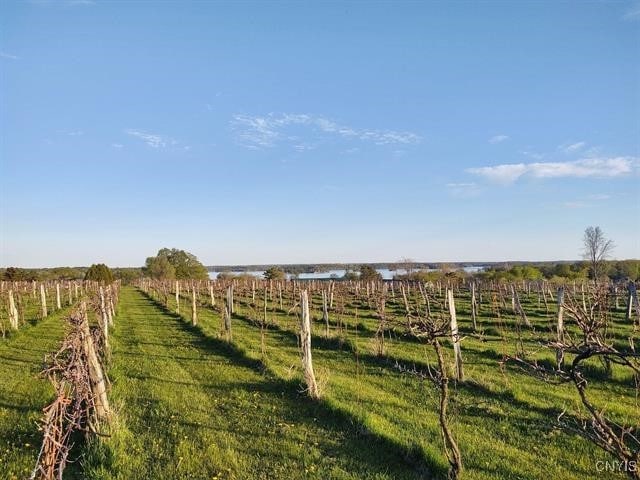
(78, 407)
(432, 328)
(589, 340)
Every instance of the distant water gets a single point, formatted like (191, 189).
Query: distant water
(385, 272)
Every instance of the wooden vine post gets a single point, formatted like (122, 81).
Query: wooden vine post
(13, 312)
(455, 336)
(104, 318)
(560, 328)
(632, 301)
(474, 307)
(177, 297)
(96, 375)
(194, 308)
(227, 319)
(58, 300)
(43, 301)
(305, 346)
(230, 299)
(325, 313)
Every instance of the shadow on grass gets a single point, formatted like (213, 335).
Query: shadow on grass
(359, 443)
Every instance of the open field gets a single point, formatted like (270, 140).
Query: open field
(198, 401)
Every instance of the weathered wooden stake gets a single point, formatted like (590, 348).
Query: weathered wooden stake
(325, 313)
(13, 312)
(213, 299)
(194, 308)
(632, 301)
(560, 329)
(474, 306)
(177, 297)
(43, 301)
(455, 336)
(58, 300)
(227, 320)
(104, 318)
(305, 346)
(96, 375)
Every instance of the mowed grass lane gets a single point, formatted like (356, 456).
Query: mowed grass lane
(23, 393)
(505, 423)
(192, 406)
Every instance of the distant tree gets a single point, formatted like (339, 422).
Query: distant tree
(369, 274)
(99, 272)
(625, 270)
(14, 274)
(66, 273)
(597, 248)
(406, 264)
(127, 275)
(185, 264)
(350, 275)
(160, 267)
(274, 273)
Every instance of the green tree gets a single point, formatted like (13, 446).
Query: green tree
(350, 275)
(127, 275)
(185, 264)
(274, 273)
(99, 272)
(14, 274)
(159, 267)
(369, 274)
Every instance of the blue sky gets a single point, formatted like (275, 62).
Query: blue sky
(317, 132)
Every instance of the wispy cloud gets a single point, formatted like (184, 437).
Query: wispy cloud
(584, 168)
(151, 139)
(596, 197)
(599, 196)
(117, 145)
(633, 13)
(8, 56)
(463, 189)
(572, 147)
(498, 138)
(260, 132)
(576, 204)
(534, 155)
(75, 133)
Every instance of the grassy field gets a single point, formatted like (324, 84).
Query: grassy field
(23, 393)
(190, 403)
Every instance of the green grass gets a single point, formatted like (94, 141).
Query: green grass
(190, 404)
(23, 393)
(503, 418)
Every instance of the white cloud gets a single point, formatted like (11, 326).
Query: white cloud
(8, 56)
(575, 204)
(599, 196)
(534, 155)
(588, 167)
(75, 133)
(572, 147)
(260, 132)
(460, 185)
(498, 138)
(117, 145)
(153, 140)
